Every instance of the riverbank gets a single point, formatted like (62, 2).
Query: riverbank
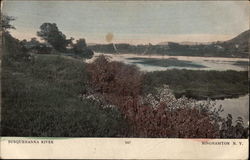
(42, 97)
(236, 107)
(200, 85)
(183, 62)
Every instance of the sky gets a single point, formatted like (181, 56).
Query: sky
(135, 22)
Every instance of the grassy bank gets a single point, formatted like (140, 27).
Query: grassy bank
(199, 84)
(56, 95)
(41, 98)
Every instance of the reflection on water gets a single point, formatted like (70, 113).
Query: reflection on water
(210, 63)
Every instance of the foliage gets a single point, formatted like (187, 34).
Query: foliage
(199, 84)
(37, 47)
(51, 34)
(13, 49)
(80, 48)
(162, 115)
(114, 77)
(43, 49)
(237, 47)
(228, 130)
(150, 115)
(40, 97)
(55, 41)
(51, 95)
(5, 23)
(10, 44)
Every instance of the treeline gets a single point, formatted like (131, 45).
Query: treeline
(237, 48)
(53, 41)
(56, 96)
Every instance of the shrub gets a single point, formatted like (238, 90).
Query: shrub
(115, 78)
(228, 130)
(41, 98)
(158, 115)
(80, 49)
(164, 116)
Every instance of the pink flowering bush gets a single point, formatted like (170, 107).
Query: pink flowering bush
(159, 115)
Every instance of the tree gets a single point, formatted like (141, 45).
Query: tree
(34, 41)
(12, 48)
(51, 34)
(5, 23)
(80, 48)
(88, 53)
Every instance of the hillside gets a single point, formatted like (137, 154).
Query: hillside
(242, 38)
(240, 43)
(236, 47)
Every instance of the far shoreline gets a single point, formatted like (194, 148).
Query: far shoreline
(169, 56)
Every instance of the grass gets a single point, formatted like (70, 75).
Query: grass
(199, 84)
(40, 95)
(41, 98)
(166, 62)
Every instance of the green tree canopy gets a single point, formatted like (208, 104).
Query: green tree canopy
(80, 48)
(5, 23)
(50, 33)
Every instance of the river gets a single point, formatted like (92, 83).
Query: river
(235, 106)
(209, 63)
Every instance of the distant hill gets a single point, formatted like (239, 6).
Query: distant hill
(239, 44)
(241, 39)
(236, 47)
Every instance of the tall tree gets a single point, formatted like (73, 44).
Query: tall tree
(50, 33)
(12, 48)
(80, 48)
(5, 23)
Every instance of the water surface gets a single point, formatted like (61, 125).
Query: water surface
(234, 106)
(194, 63)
